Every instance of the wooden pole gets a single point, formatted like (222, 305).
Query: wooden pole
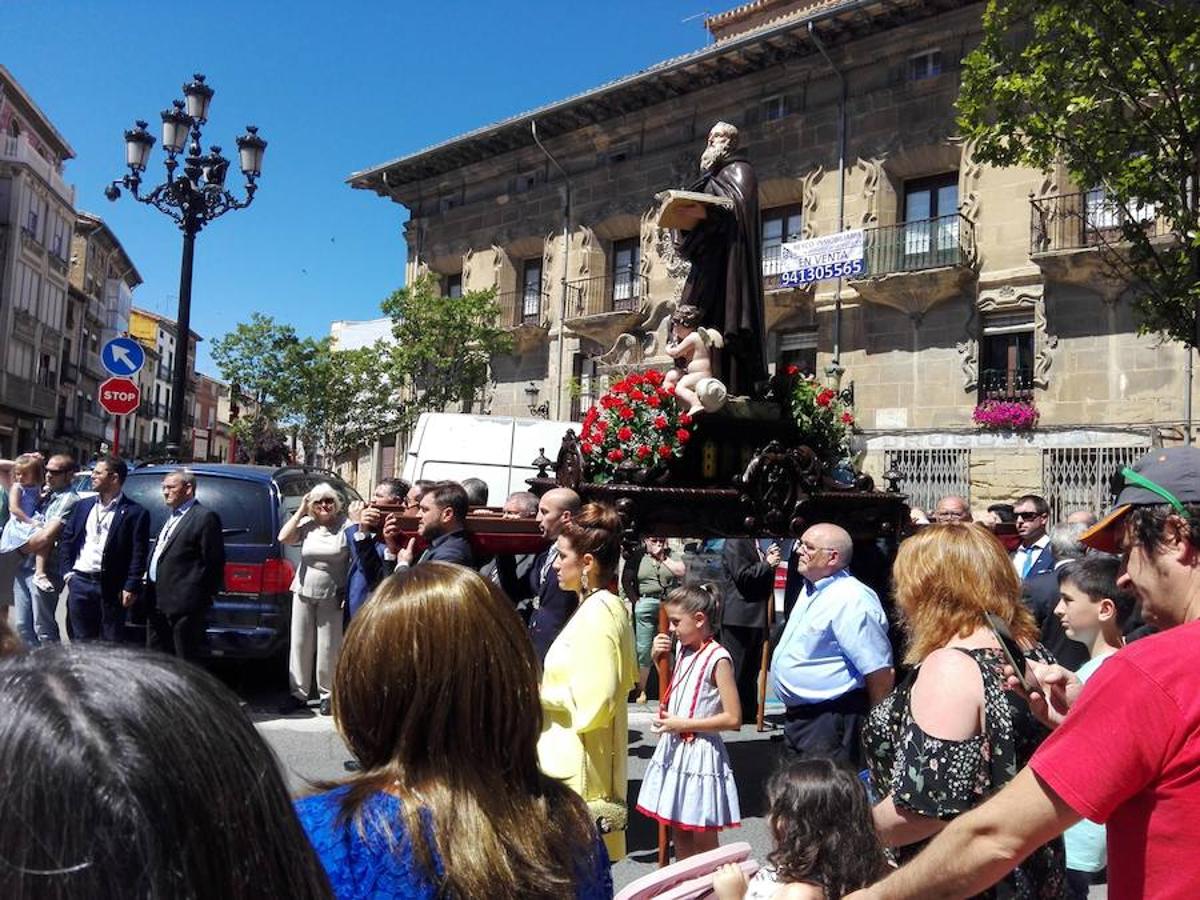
(663, 667)
(764, 664)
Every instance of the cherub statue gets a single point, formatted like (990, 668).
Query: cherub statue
(689, 345)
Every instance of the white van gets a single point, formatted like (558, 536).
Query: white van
(498, 449)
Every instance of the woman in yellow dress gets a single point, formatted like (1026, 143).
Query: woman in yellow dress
(588, 673)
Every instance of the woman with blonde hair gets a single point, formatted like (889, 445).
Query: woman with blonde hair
(588, 673)
(436, 695)
(318, 593)
(950, 735)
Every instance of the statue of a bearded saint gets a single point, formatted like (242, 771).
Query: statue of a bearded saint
(725, 250)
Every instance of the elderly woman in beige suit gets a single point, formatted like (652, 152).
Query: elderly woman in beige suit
(318, 593)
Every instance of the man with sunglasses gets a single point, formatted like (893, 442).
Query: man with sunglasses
(1127, 753)
(1033, 555)
(36, 607)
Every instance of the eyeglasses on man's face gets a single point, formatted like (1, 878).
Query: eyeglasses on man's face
(1029, 515)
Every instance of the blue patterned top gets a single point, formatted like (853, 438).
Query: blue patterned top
(372, 868)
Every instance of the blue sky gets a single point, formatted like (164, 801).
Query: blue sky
(334, 88)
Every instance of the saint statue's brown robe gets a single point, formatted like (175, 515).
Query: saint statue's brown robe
(725, 250)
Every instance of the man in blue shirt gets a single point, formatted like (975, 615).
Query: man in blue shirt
(834, 660)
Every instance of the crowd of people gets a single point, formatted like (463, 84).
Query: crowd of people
(949, 749)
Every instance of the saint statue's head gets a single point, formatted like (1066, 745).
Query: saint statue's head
(722, 141)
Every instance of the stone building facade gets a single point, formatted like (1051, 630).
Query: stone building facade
(980, 283)
(100, 296)
(37, 217)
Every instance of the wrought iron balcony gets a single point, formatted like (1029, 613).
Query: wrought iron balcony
(914, 246)
(1006, 384)
(615, 292)
(1086, 219)
(525, 307)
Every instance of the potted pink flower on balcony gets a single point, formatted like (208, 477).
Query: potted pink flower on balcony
(1005, 415)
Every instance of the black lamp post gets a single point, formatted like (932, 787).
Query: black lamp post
(192, 200)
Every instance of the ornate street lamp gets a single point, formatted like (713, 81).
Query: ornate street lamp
(192, 200)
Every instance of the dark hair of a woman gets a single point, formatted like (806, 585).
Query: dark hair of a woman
(596, 529)
(125, 774)
(436, 694)
(821, 821)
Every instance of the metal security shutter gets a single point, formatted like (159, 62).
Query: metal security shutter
(1080, 477)
(927, 475)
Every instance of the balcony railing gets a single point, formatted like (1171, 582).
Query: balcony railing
(1086, 219)
(1006, 384)
(91, 425)
(913, 246)
(17, 149)
(618, 292)
(164, 371)
(527, 307)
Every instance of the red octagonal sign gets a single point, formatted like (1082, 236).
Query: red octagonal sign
(119, 396)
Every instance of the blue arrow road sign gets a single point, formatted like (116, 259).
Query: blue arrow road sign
(123, 356)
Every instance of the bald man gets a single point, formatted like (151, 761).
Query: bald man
(952, 509)
(834, 660)
(553, 605)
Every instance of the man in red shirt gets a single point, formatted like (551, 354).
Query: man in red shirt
(1128, 754)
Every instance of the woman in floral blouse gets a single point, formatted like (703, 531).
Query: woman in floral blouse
(950, 735)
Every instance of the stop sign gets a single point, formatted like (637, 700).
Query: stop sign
(119, 396)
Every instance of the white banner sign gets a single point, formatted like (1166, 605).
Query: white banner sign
(821, 258)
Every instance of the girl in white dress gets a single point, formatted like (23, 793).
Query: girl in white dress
(689, 783)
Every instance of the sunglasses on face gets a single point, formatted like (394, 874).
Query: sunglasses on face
(1027, 516)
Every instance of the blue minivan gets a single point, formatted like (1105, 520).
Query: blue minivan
(250, 616)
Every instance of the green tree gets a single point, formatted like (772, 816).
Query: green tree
(260, 441)
(442, 347)
(1111, 89)
(254, 356)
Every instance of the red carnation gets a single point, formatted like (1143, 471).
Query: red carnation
(653, 401)
(824, 398)
(683, 435)
(635, 394)
(616, 455)
(643, 451)
(685, 419)
(664, 451)
(624, 433)
(654, 377)
(669, 391)
(587, 448)
(625, 413)
(635, 378)
(660, 422)
(602, 425)
(793, 370)
(847, 418)
(608, 401)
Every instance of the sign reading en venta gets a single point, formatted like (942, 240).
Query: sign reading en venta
(818, 259)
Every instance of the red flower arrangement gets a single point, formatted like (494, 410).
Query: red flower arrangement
(634, 421)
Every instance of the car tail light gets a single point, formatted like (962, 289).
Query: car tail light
(243, 578)
(277, 576)
(271, 577)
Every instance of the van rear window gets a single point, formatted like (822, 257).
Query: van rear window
(244, 506)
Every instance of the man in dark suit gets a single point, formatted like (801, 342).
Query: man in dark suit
(368, 549)
(443, 522)
(187, 569)
(103, 552)
(1033, 555)
(1040, 594)
(553, 605)
(749, 586)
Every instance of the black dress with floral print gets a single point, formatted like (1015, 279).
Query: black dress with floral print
(942, 779)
